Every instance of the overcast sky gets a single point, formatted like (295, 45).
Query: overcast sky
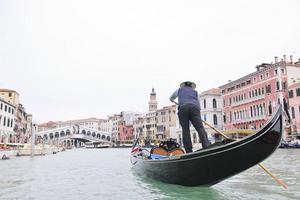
(72, 59)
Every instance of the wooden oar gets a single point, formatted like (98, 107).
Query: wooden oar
(280, 182)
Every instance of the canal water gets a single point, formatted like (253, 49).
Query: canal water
(106, 174)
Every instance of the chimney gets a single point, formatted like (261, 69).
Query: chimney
(291, 59)
(284, 58)
(276, 59)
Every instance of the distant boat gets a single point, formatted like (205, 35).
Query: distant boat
(101, 146)
(210, 166)
(7, 151)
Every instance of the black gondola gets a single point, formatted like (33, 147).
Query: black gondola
(210, 166)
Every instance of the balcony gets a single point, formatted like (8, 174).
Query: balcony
(249, 119)
(248, 100)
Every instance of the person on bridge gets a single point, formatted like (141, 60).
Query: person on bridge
(189, 111)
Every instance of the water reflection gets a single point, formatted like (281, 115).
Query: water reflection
(170, 191)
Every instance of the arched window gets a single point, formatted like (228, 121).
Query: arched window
(204, 103)
(215, 119)
(214, 103)
(293, 112)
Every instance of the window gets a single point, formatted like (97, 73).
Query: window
(204, 117)
(293, 112)
(284, 85)
(277, 86)
(275, 71)
(282, 71)
(215, 119)
(270, 108)
(262, 90)
(268, 89)
(214, 103)
(204, 103)
(10, 94)
(248, 82)
(291, 93)
(298, 92)
(224, 117)
(261, 77)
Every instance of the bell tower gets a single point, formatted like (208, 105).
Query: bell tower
(152, 102)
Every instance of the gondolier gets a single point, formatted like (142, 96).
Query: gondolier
(189, 111)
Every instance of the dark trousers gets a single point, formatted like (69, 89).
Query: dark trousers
(190, 113)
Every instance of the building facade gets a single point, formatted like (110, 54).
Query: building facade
(251, 100)
(10, 96)
(22, 120)
(166, 118)
(7, 122)
(125, 131)
(212, 107)
(294, 99)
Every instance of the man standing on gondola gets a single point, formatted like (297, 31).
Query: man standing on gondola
(189, 111)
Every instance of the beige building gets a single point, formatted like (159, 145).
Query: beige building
(166, 118)
(155, 125)
(10, 96)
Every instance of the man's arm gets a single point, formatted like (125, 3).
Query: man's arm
(174, 96)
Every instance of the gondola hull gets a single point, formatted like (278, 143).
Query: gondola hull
(210, 166)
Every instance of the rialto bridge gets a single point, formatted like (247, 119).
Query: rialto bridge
(73, 136)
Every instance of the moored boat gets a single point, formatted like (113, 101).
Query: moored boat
(6, 154)
(210, 166)
(7, 151)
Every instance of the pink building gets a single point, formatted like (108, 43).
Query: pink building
(251, 100)
(125, 132)
(294, 103)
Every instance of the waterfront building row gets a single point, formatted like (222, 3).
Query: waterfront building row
(250, 101)
(15, 122)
